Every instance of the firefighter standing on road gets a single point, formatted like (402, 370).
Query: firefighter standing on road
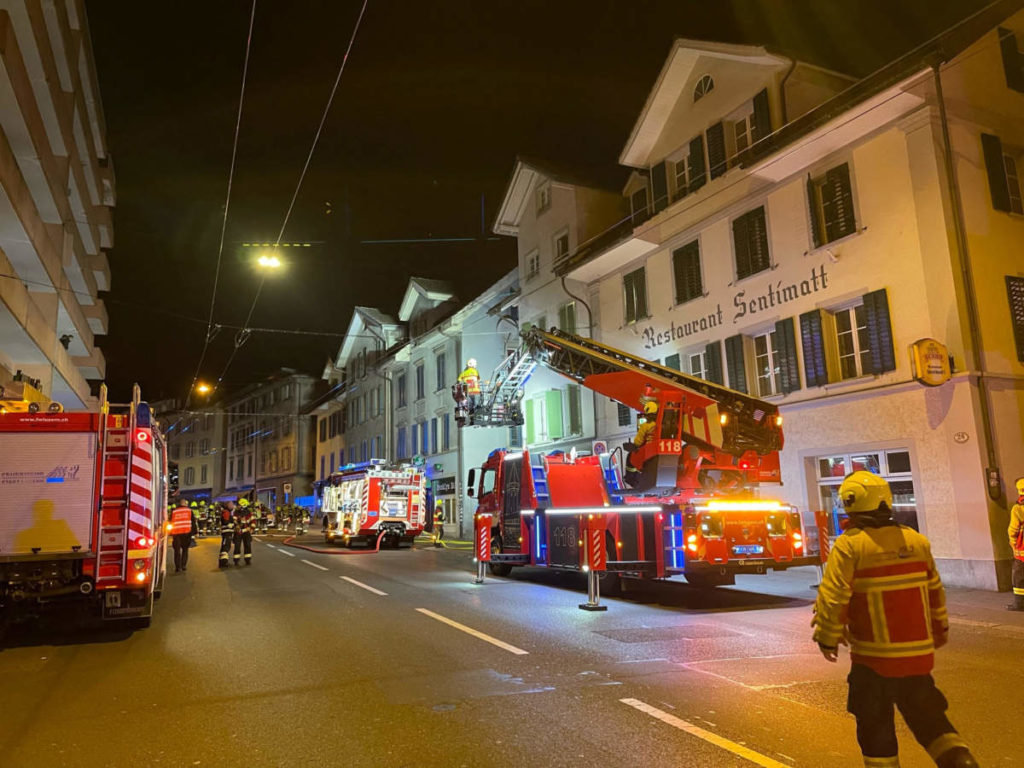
(245, 525)
(1016, 532)
(182, 526)
(882, 592)
(227, 532)
(438, 524)
(470, 379)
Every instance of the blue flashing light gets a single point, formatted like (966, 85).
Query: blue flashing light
(55, 479)
(143, 416)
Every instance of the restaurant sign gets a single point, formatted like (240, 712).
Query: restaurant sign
(930, 361)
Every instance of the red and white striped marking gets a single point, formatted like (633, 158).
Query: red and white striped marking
(140, 496)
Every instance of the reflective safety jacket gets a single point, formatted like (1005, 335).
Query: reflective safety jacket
(644, 433)
(439, 518)
(181, 521)
(227, 525)
(881, 591)
(1016, 531)
(245, 523)
(471, 378)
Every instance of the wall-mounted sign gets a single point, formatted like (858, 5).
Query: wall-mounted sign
(961, 437)
(444, 486)
(599, 447)
(930, 360)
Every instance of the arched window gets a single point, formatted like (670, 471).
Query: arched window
(704, 86)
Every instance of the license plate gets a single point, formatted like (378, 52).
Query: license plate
(748, 549)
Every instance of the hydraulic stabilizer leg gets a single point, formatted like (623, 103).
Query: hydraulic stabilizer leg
(593, 594)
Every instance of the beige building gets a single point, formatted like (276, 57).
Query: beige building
(57, 186)
(794, 233)
(195, 443)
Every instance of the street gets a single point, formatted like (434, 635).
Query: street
(397, 659)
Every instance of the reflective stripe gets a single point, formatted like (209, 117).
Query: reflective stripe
(882, 762)
(139, 554)
(1018, 590)
(944, 743)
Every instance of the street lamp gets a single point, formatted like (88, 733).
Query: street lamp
(203, 389)
(269, 261)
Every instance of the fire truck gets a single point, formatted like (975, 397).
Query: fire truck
(364, 501)
(685, 503)
(82, 509)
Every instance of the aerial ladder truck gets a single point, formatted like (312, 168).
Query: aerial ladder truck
(692, 509)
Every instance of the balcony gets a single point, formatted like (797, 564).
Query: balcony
(609, 250)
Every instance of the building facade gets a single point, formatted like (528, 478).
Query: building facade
(58, 188)
(195, 442)
(793, 236)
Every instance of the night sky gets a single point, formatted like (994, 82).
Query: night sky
(437, 99)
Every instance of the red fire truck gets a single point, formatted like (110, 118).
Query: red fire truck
(690, 508)
(363, 501)
(82, 510)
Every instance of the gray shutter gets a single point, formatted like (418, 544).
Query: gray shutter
(659, 187)
(716, 150)
(713, 361)
(815, 367)
(993, 149)
(762, 116)
(575, 409)
(1015, 297)
(837, 203)
(698, 172)
(812, 204)
(686, 269)
(879, 327)
(734, 363)
(1013, 62)
(741, 243)
(790, 367)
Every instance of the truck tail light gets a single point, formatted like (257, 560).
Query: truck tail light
(798, 540)
(691, 542)
(141, 576)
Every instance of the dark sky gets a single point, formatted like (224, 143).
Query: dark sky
(437, 99)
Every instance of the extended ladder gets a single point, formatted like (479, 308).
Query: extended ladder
(117, 423)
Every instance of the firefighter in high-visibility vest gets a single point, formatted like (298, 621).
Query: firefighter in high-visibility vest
(245, 526)
(227, 532)
(438, 524)
(182, 526)
(882, 595)
(644, 434)
(1016, 532)
(470, 380)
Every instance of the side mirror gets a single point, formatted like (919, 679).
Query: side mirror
(471, 483)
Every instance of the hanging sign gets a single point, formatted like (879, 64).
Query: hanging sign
(930, 361)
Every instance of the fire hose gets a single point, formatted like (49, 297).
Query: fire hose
(334, 551)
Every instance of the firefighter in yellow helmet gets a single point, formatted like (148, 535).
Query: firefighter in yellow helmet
(1016, 532)
(438, 524)
(882, 595)
(470, 380)
(646, 427)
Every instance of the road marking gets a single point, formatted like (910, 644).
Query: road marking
(270, 545)
(367, 587)
(708, 736)
(307, 562)
(284, 551)
(473, 632)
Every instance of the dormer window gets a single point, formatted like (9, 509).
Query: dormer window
(543, 197)
(704, 86)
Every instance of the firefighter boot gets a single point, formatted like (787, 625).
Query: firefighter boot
(958, 757)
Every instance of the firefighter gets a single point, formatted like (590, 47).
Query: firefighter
(1016, 532)
(245, 524)
(880, 583)
(182, 526)
(644, 434)
(438, 524)
(227, 532)
(470, 380)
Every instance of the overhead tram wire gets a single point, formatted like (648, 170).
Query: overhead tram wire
(243, 335)
(227, 203)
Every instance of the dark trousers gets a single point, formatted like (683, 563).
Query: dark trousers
(1018, 584)
(181, 543)
(922, 705)
(225, 547)
(243, 541)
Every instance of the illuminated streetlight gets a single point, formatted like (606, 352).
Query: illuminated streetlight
(203, 389)
(269, 262)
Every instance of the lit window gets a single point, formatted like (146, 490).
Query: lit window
(854, 342)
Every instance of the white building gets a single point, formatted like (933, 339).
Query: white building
(794, 235)
(57, 186)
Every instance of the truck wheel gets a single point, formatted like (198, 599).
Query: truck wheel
(498, 569)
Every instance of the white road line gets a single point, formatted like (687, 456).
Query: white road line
(367, 587)
(473, 632)
(712, 738)
(284, 551)
(270, 545)
(307, 562)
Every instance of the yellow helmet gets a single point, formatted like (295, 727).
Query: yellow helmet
(1020, 489)
(864, 492)
(650, 408)
(243, 502)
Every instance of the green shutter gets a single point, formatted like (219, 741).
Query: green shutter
(659, 186)
(815, 367)
(762, 116)
(575, 410)
(1013, 62)
(837, 203)
(713, 362)
(789, 367)
(879, 327)
(531, 422)
(553, 414)
(994, 164)
(812, 205)
(698, 172)
(716, 150)
(672, 361)
(734, 363)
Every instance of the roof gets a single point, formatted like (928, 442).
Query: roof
(434, 291)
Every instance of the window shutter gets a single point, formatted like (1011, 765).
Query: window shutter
(531, 422)
(1015, 297)
(734, 363)
(659, 186)
(993, 149)
(762, 116)
(758, 240)
(790, 368)
(815, 367)
(713, 361)
(716, 150)
(625, 415)
(876, 306)
(741, 242)
(553, 412)
(575, 410)
(698, 172)
(672, 361)
(812, 204)
(837, 203)
(1013, 62)
(686, 266)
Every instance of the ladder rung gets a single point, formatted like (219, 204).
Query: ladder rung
(116, 477)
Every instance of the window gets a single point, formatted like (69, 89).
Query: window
(440, 363)
(1002, 166)
(515, 437)
(575, 407)
(567, 317)
(248, 464)
(742, 132)
(333, 466)
(286, 392)
(1015, 298)
(433, 435)
(543, 196)
(204, 446)
(544, 417)
(1013, 59)
(190, 475)
(697, 363)
(854, 343)
(541, 322)
(364, 451)
(207, 422)
(286, 425)
(690, 173)
(323, 462)
(750, 240)
(672, 361)
(231, 470)
(561, 245)
(421, 385)
(704, 86)
(766, 356)
(175, 451)
(400, 444)
(424, 439)
(190, 449)
(830, 198)
(286, 459)
(414, 433)
(686, 269)
(1013, 183)
(894, 466)
(638, 206)
(400, 391)
(532, 264)
(341, 457)
(203, 472)
(378, 447)
(323, 429)
(446, 432)
(241, 465)
(635, 284)
(624, 414)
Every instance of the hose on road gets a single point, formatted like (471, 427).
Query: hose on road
(335, 551)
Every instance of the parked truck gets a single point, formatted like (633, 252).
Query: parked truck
(691, 506)
(362, 502)
(82, 509)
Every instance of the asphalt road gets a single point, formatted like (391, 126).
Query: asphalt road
(398, 659)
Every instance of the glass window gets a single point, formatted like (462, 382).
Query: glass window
(543, 196)
(414, 433)
(446, 433)
(698, 365)
(832, 470)
(867, 462)
(433, 435)
(532, 264)
(487, 482)
(766, 361)
(832, 466)
(441, 364)
(898, 461)
(202, 473)
(904, 502)
(400, 390)
(704, 86)
(635, 284)
(854, 343)
(421, 385)
(562, 245)
(625, 415)
(323, 429)
(567, 317)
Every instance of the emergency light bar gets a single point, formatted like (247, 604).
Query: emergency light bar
(741, 506)
(617, 510)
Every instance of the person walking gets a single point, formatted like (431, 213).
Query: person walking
(182, 526)
(882, 595)
(1016, 532)
(227, 532)
(438, 524)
